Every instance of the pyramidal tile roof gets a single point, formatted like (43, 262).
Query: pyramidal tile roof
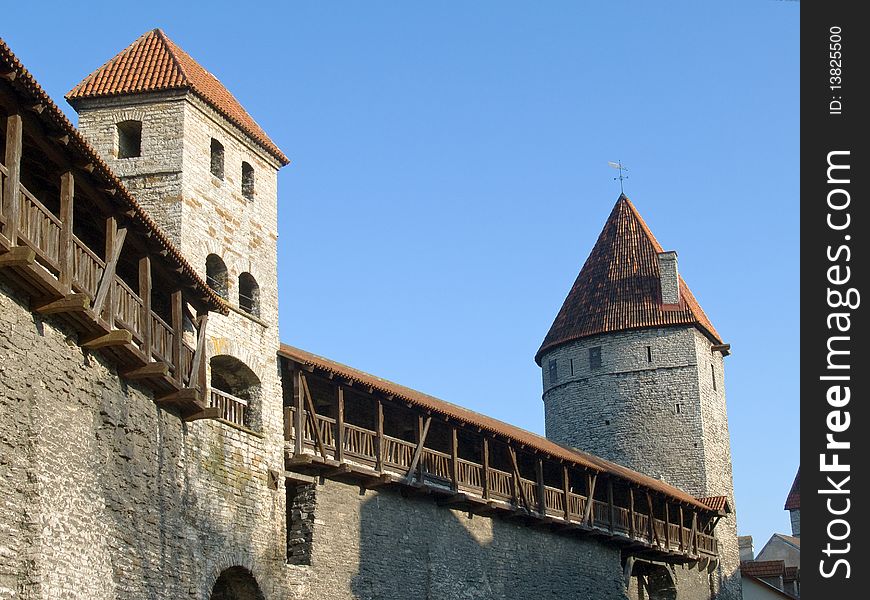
(619, 287)
(793, 501)
(155, 63)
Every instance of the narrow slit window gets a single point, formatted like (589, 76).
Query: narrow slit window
(571, 363)
(678, 408)
(129, 139)
(713, 376)
(217, 159)
(649, 354)
(247, 181)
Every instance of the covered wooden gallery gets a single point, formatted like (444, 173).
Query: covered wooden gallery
(79, 246)
(358, 428)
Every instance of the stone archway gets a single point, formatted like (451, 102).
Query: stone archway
(236, 583)
(654, 581)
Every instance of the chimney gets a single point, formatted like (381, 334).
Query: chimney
(670, 278)
(744, 543)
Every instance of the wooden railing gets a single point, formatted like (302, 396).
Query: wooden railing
(87, 268)
(161, 339)
(232, 408)
(128, 309)
(39, 229)
(360, 446)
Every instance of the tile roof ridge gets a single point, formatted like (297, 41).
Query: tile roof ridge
(170, 49)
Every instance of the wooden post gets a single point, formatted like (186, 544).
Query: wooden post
(631, 512)
(339, 425)
(454, 458)
(682, 522)
(653, 534)
(694, 533)
(104, 301)
(542, 492)
(177, 333)
(589, 515)
(197, 364)
(297, 416)
(14, 129)
(422, 430)
(312, 414)
(145, 294)
(485, 474)
(610, 503)
(67, 191)
(667, 527)
(566, 489)
(379, 462)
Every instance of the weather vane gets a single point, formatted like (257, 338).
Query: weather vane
(618, 165)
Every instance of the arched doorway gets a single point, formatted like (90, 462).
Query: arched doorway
(654, 581)
(235, 390)
(236, 583)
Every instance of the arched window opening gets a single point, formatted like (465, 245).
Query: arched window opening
(216, 275)
(235, 391)
(217, 158)
(247, 181)
(249, 294)
(129, 139)
(236, 583)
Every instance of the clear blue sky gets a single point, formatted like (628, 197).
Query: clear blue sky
(450, 176)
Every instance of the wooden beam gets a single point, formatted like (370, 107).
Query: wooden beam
(485, 474)
(212, 412)
(297, 416)
(566, 490)
(114, 244)
(693, 535)
(379, 460)
(682, 524)
(177, 306)
(154, 370)
(145, 313)
(454, 458)
(339, 424)
(542, 492)
(182, 396)
(312, 414)
(654, 535)
(117, 337)
(610, 506)
(418, 451)
(65, 251)
(196, 378)
(590, 499)
(14, 129)
(69, 303)
(518, 486)
(18, 256)
(631, 511)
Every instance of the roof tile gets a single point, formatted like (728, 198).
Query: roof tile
(793, 501)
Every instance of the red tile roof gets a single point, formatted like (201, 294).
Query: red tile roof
(494, 426)
(793, 502)
(619, 287)
(25, 85)
(155, 63)
(717, 503)
(763, 568)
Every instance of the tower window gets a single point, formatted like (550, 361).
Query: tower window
(247, 181)
(216, 275)
(217, 159)
(595, 357)
(571, 363)
(713, 376)
(649, 354)
(129, 139)
(554, 374)
(678, 408)
(249, 294)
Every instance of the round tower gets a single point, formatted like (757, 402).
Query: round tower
(633, 369)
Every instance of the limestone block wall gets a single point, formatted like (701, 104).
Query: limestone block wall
(104, 495)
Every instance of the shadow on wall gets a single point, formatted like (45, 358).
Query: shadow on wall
(412, 548)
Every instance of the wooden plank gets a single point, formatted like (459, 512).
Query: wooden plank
(69, 303)
(196, 378)
(177, 301)
(117, 337)
(212, 412)
(18, 256)
(612, 516)
(693, 535)
(542, 493)
(485, 474)
(104, 290)
(181, 397)
(154, 370)
(682, 524)
(454, 458)
(631, 511)
(379, 426)
(339, 424)
(566, 490)
(312, 414)
(521, 493)
(590, 499)
(667, 526)
(654, 535)
(297, 416)
(65, 251)
(14, 129)
(418, 451)
(145, 294)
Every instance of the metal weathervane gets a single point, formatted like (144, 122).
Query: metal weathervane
(622, 170)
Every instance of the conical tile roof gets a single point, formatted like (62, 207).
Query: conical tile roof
(155, 63)
(619, 287)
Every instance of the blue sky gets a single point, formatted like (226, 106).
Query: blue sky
(450, 176)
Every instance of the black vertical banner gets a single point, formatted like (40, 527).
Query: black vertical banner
(835, 422)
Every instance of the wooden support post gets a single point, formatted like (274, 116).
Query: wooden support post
(454, 458)
(693, 544)
(566, 490)
(631, 512)
(588, 516)
(298, 433)
(11, 195)
(145, 294)
(65, 250)
(105, 291)
(542, 492)
(519, 491)
(682, 524)
(339, 424)
(653, 534)
(309, 401)
(667, 527)
(379, 462)
(422, 431)
(177, 301)
(485, 474)
(610, 506)
(197, 370)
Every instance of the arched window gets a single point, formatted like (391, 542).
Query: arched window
(247, 181)
(129, 139)
(249, 294)
(235, 391)
(217, 158)
(216, 275)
